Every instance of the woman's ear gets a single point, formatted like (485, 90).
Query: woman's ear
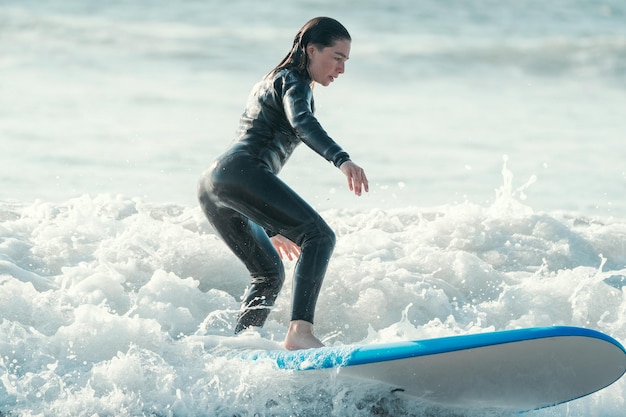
(310, 50)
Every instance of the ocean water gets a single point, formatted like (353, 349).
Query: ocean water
(491, 132)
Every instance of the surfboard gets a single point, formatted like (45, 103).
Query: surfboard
(521, 370)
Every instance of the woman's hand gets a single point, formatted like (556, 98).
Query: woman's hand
(285, 247)
(357, 181)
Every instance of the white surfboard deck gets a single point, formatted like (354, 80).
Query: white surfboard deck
(520, 370)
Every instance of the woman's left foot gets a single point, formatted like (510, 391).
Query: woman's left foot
(300, 336)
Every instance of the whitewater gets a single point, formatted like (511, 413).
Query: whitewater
(491, 132)
(116, 307)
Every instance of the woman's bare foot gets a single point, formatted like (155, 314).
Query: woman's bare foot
(300, 336)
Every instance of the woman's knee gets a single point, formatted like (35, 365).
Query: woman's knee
(330, 236)
(319, 233)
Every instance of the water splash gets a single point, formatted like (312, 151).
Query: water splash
(508, 200)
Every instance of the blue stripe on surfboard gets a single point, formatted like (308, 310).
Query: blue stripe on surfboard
(332, 357)
(402, 350)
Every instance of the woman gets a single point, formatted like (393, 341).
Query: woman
(246, 202)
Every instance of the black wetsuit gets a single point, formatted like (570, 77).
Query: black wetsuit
(245, 201)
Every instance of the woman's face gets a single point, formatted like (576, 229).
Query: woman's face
(326, 64)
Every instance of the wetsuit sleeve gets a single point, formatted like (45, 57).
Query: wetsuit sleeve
(297, 101)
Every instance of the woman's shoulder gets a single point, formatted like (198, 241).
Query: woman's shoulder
(289, 76)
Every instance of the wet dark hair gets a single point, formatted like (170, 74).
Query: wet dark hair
(319, 31)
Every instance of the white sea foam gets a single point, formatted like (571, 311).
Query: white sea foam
(113, 306)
